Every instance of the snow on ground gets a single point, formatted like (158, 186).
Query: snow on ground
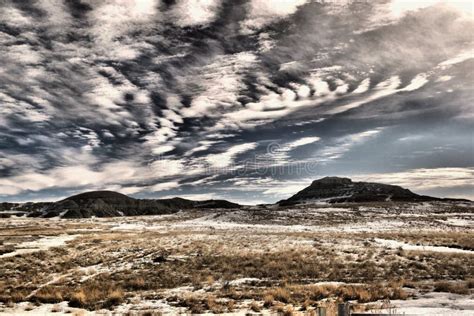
(394, 244)
(129, 226)
(149, 305)
(460, 222)
(218, 223)
(313, 211)
(29, 309)
(39, 245)
(435, 304)
(241, 220)
(224, 223)
(243, 281)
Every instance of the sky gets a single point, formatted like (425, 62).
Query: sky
(246, 100)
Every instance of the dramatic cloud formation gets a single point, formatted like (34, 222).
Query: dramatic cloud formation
(248, 100)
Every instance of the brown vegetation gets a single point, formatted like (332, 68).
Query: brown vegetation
(102, 269)
(452, 287)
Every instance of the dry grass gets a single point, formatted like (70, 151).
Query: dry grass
(453, 239)
(306, 295)
(285, 310)
(136, 284)
(48, 294)
(452, 287)
(200, 304)
(148, 264)
(8, 295)
(255, 306)
(96, 295)
(280, 294)
(470, 283)
(268, 300)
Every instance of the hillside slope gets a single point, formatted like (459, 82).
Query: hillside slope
(338, 190)
(109, 204)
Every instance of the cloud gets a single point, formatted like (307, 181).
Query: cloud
(280, 153)
(164, 186)
(416, 83)
(203, 145)
(14, 17)
(219, 85)
(117, 173)
(424, 180)
(461, 57)
(400, 7)
(263, 12)
(110, 95)
(23, 53)
(444, 78)
(341, 145)
(226, 159)
(166, 92)
(382, 89)
(23, 111)
(113, 18)
(363, 86)
(287, 188)
(194, 12)
(303, 141)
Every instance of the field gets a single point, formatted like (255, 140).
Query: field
(415, 258)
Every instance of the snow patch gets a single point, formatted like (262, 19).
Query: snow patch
(394, 244)
(243, 281)
(436, 304)
(460, 222)
(40, 244)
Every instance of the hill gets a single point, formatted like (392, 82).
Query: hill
(109, 204)
(339, 190)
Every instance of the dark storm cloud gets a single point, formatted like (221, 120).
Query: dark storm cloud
(157, 98)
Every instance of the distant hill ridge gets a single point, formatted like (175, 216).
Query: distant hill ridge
(340, 190)
(110, 203)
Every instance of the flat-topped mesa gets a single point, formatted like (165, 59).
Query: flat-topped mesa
(331, 181)
(339, 190)
(103, 195)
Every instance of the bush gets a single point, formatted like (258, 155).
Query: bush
(281, 294)
(48, 294)
(451, 287)
(78, 299)
(94, 296)
(255, 307)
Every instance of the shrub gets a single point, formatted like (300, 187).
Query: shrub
(451, 287)
(48, 294)
(114, 298)
(255, 306)
(136, 284)
(78, 299)
(470, 283)
(95, 295)
(281, 294)
(268, 300)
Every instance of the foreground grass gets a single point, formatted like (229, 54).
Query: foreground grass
(285, 277)
(197, 269)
